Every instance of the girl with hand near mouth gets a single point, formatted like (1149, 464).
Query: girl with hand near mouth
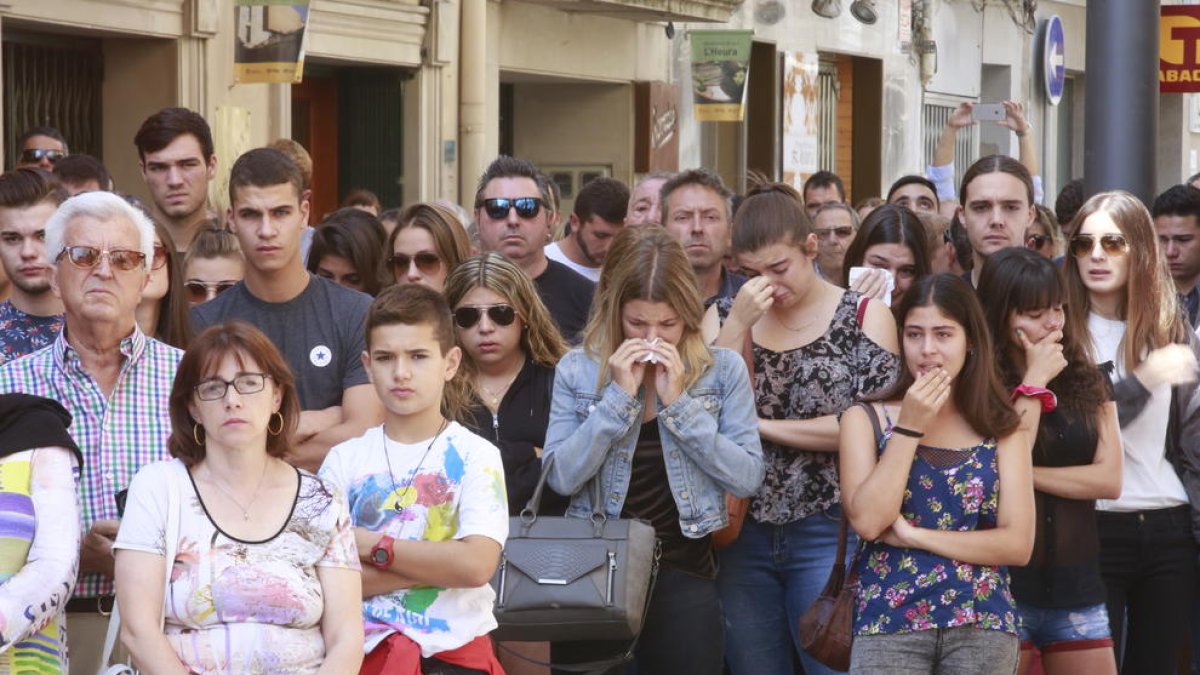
(1125, 299)
(1076, 457)
(943, 498)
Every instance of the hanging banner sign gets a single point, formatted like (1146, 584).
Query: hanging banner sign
(271, 38)
(801, 117)
(1178, 56)
(720, 69)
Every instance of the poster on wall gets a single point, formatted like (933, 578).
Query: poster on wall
(800, 121)
(271, 38)
(720, 68)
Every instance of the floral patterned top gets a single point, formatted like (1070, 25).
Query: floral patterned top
(823, 377)
(22, 333)
(903, 590)
(238, 606)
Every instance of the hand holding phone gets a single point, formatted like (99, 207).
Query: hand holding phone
(988, 112)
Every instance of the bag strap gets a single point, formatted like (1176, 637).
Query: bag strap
(839, 570)
(171, 541)
(600, 666)
(535, 501)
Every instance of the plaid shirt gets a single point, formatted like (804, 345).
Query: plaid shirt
(117, 435)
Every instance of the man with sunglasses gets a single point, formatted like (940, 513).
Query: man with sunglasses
(835, 225)
(315, 322)
(41, 147)
(32, 317)
(113, 379)
(1177, 221)
(512, 214)
(598, 217)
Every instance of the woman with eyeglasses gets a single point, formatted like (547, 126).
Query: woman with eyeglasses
(891, 239)
(1065, 412)
(1126, 302)
(429, 241)
(265, 575)
(667, 426)
(345, 250)
(163, 311)
(510, 347)
(213, 264)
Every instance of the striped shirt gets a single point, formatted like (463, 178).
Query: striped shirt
(117, 435)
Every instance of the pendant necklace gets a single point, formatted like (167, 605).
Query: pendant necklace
(245, 509)
(396, 490)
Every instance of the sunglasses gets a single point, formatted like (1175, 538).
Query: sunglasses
(427, 263)
(1036, 242)
(200, 291)
(501, 315)
(160, 257)
(34, 155)
(841, 232)
(527, 207)
(1113, 244)
(87, 257)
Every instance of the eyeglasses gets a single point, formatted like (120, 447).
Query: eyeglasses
(1036, 242)
(527, 207)
(35, 155)
(201, 291)
(501, 315)
(841, 232)
(214, 389)
(160, 257)
(1113, 244)
(87, 257)
(427, 263)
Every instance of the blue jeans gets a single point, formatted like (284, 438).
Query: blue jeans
(767, 578)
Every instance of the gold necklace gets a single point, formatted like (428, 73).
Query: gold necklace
(497, 396)
(245, 509)
(803, 327)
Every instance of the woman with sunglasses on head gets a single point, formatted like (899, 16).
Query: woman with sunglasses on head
(510, 347)
(429, 241)
(816, 349)
(345, 250)
(1121, 293)
(891, 239)
(163, 311)
(1064, 408)
(265, 575)
(942, 495)
(213, 264)
(666, 426)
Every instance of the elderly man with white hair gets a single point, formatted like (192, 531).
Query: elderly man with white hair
(114, 380)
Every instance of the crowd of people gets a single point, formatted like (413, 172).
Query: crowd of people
(284, 443)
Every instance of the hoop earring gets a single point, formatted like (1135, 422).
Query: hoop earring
(196, 434)
(275, 432)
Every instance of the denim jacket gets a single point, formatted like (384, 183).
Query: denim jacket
(709, 436)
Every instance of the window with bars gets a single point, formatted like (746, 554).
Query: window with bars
(934, 116)
(53, 82)
(828, 91)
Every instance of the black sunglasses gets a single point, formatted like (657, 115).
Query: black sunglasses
(501, 315)
(1036, 242)
(497, 208)
(427, 263)
(34, 155)
(1113, 244)
(841, 232)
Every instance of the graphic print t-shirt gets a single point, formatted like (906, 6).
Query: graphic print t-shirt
(452, 491)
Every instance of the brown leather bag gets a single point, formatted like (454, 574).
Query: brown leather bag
(736, 506)
(826, 629)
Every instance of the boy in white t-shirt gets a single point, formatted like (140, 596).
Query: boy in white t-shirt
(426, 498)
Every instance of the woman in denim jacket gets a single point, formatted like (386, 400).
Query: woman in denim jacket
(667, 426)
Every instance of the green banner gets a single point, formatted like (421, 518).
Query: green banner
(271, 39)
(720, 70)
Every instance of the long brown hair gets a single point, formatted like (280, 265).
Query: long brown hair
(448, 232)
(978, 392)
(1149, 306)
(244, 342)
(174, 322)
(650, 265)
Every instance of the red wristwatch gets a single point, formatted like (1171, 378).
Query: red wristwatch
(382, 554)
(1047, 397)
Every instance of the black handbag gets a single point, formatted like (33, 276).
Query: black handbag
(564, 578)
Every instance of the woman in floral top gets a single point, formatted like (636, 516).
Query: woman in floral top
(817, 349)
(933, 592)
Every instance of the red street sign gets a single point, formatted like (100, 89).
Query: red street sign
(1179, 49)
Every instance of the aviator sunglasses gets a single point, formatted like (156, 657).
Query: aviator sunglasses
(34, 155)
(501, 315)
(497, 208)
(1113, 244)
(1036, 242)
(202, 291)
(87, 257)
(427, 263)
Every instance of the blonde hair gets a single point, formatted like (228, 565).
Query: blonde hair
(540, 339)
(647, 263)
